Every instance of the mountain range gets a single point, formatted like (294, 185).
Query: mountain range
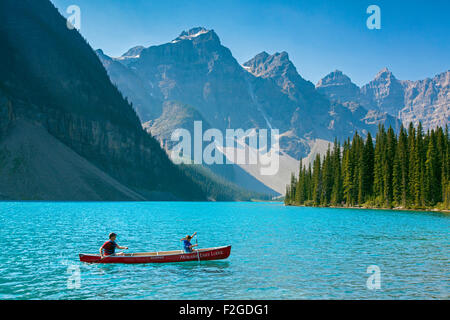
(196, 70)
(427, 101)
(79, 125)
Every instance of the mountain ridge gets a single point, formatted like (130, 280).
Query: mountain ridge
(68, 94)
(283, 72)
(265, 92)
(427, 100)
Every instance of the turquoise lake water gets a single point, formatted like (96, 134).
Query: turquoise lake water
(277, 252)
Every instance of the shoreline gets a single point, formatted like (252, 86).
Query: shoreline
(374, 208)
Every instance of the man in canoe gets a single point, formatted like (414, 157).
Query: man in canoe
(187, 245)
(109, 247)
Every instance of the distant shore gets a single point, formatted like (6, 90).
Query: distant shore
(376, 208)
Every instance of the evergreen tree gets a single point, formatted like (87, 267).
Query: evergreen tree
(298, 193)
(411, 164)
(336, 193)
(327, 172)
(309, 189)
(391, 144)
(317, 181)
(445, 171)
(359, 168)
(379, 165)
(418, 169)
(400, 170)
(347, 171)
(446, 175)
(409, 170)
(431, 185)
(367, 169)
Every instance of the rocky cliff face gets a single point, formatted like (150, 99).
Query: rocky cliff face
(265, 92)
(52, 80)
(174, 115)
(313, 115)
(197, 70)
(131, 85)
(427, 101)
(384, 93)
(339, 87)
(279, 68)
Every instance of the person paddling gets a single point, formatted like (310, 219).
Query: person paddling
(187, 245)
(109, 247)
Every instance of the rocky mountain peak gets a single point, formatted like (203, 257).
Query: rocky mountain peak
(282, 56)
(100, 53)
(443, 79)
(263, 55)
(384, 93)
(267, 66)
(411, 101)
(256, 64)
(133, 52)
(384, 75)
(193, 32)
(197, 33)
(339, 87)
(335, 78)
(427, 101)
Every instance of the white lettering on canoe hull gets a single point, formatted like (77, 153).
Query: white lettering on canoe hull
(202, 255)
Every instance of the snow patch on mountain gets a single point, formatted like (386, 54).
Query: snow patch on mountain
(191, 34)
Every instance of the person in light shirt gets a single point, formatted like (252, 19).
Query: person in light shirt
(187, 245)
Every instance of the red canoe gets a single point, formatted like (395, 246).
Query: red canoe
(218, 253)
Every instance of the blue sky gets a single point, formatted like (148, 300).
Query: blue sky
(320, 36)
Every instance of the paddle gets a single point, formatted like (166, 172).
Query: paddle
(198, 254)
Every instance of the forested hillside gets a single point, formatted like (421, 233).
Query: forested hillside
(408, 170)
(66, 133)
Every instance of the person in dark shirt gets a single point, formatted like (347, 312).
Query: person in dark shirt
(187, 245)
(109, 247)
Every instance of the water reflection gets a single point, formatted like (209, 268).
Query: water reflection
(190, 266)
